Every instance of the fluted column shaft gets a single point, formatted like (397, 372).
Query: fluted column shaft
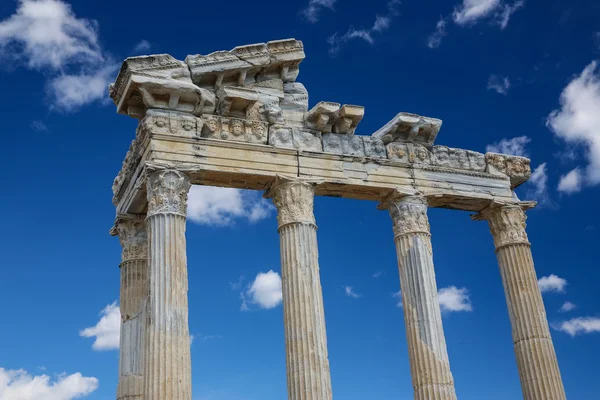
(307, 362)
(167, 363)
(429, 365)
(536, 358)
(134, 289)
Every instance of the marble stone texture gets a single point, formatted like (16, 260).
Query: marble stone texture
(294, 138)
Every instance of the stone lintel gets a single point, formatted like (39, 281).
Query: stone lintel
(412, 128)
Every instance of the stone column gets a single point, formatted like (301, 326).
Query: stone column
(429, 364)
(134, 289)
(167, 362)
(536, 358)
(304, 318)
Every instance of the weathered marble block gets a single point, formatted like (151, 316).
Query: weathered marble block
(217, 69)
(236, 101)
(293, 138)
(345, 144)
(322, 116)
(240, 130)
(409, 153)
(374, 147)
(172, 123)
(286, 56)
(518, 169)
(347, 118)
(158, 82)
(407, 127)
(295, 97)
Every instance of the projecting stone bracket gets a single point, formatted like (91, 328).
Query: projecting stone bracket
(412, 128)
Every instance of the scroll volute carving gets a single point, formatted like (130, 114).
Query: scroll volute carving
(168, 192)
(507, 224)
(409, 215)
(294, 200)
(133, 238)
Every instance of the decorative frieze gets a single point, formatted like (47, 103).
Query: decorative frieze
(240, 130)
(515, 167)
(168, 193)
(294, 138)
(409, 153)
(407, 127)
(374, 147)
(172, 123)
(346, 144)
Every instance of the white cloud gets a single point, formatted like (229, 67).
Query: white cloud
(216, 206)
(265, 291)
(537, 187)
(435, 39)
(47, 36)
(39, 126)
(507, 11)
(107, 330)
(349, 290)
(572, 182)
(579, 325)
(142, 46)
(567, 306)
(578, 123)
(312, 12)
(20, 385)
(552, 283)
(398, 297)
(377, 274)
(499, 84)
(381, 24)
(516, 146)
(453, 299)
(471, 11)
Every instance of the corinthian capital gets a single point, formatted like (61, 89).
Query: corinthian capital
(167, 192)
(507, 224)
(409, 215)
(132, 235)
(294, 199)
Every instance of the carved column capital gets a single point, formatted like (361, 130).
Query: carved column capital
(409, 215)
(294, 199)
(167, 192)
(132, 235)
(507, 224)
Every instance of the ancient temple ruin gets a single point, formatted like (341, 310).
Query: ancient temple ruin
(240, 119)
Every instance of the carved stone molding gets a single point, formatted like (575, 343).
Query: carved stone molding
(515, 167)
(167, 192)
(507, 224)
(133, 238)
(294, 199)
(240, 130)
(409, 215)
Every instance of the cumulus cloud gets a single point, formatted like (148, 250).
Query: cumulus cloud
(516, 146)
(499, 84)
(566, 307)
(435, 39)
(107, 330)
(453, 299)
(47, 36)
(381, 24)
(216, 206)
(20, 385)
(577, 122)
(312, 12)
(349, 290)
(552, 283)
(578, 326)
(571, 182)
(142, 46)
(264, 291)
(537, 187)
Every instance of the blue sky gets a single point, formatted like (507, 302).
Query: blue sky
(515, 76)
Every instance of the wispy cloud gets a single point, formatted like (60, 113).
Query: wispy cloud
(217, 206)
(313, 10)
(552, 283)
(435, 39)
(577, 122)
(398, 296)
(516, 146)
(578, 326)
(506, 11)
(264, 292)
(453, 299)
(381, 24)
(566, 307)
(142, 46)
(47, 36)
(377, 274)
(499, 84)
(20, 385)
(107, 330)
(39, 126)
(349, 290)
